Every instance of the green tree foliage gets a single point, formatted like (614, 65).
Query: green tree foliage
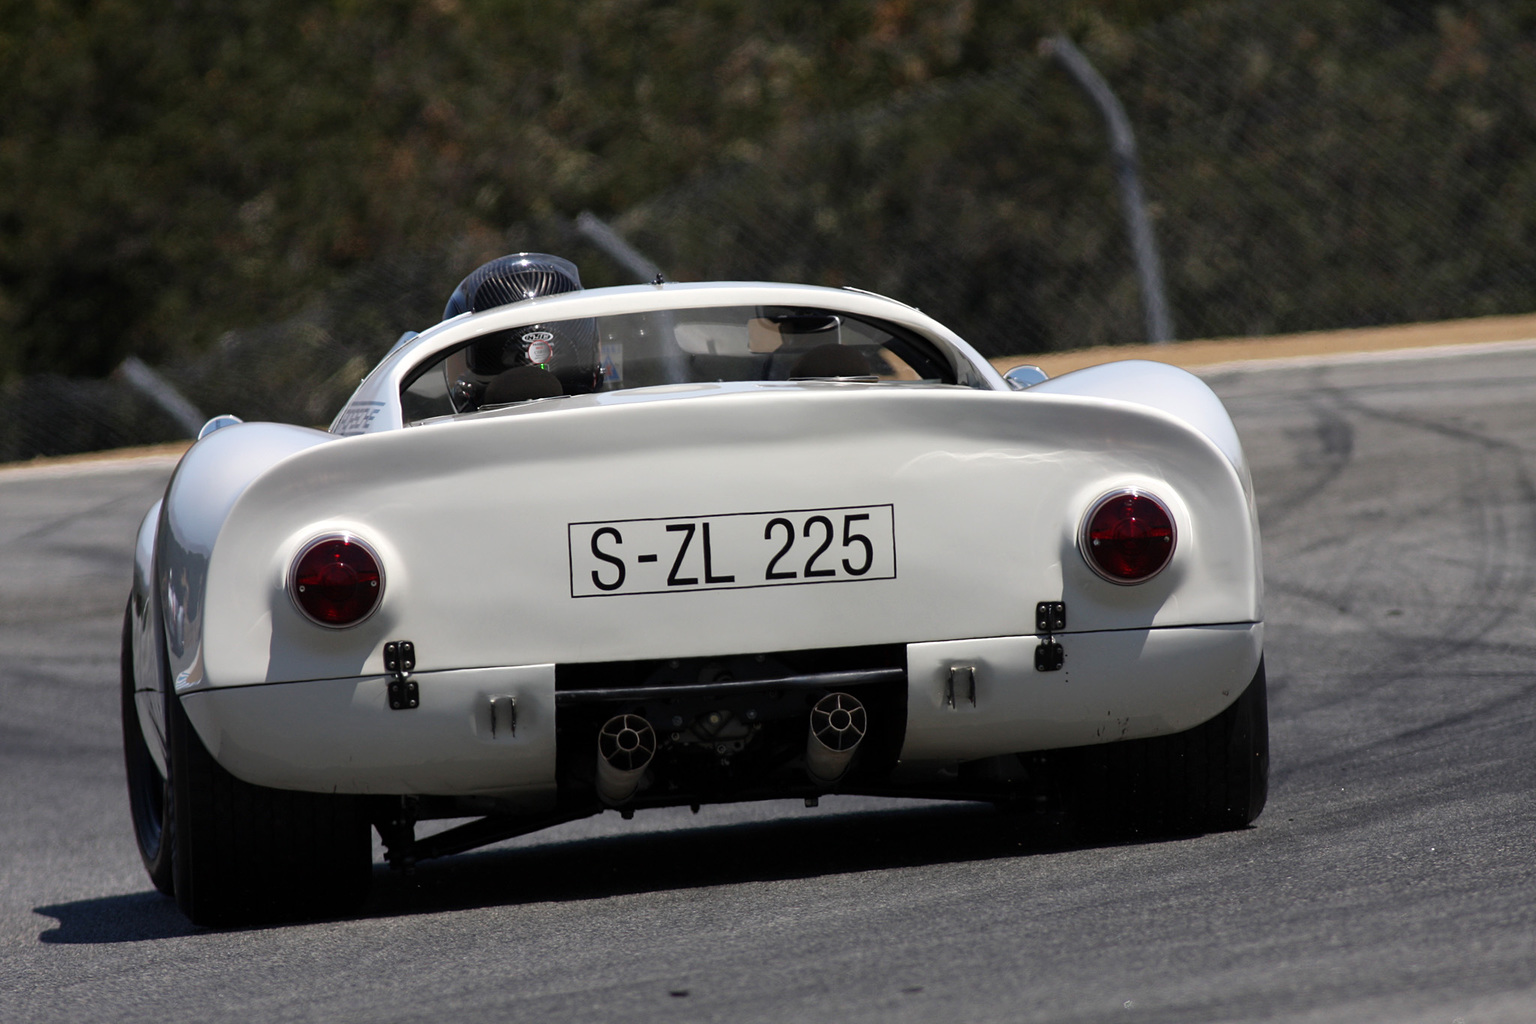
(170, 170)
(1312, 165)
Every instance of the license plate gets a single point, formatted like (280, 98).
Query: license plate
(732, 552)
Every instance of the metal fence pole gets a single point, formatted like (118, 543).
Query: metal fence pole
(613, 244)
(1122, 146)
(157, 389)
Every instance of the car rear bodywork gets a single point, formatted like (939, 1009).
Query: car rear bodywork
(702, 591)
(484, 531)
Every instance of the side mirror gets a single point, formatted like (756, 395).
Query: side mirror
(1026, 376)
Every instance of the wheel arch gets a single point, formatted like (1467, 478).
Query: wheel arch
(144, 638)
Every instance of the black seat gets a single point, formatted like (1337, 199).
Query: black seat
(520, 384)
(831, 361)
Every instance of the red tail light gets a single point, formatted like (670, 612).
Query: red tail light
(336, 581)
(1128, 537)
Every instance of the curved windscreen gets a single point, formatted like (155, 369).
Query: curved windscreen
(731, 343)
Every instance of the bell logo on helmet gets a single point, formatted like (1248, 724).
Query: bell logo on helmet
(539, 346)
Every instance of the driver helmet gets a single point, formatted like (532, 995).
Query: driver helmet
(566, 349)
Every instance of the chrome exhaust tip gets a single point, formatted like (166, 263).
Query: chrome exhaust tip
(838, 724)
(625, 746)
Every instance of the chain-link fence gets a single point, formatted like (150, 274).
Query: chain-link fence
(1308, 166)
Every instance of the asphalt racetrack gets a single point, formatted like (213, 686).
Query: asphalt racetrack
(1392, 877)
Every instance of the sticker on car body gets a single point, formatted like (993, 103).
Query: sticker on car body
(735, 551)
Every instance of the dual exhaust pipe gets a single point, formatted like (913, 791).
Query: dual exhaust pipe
(627, 743)
(838, 724)
(625, 746)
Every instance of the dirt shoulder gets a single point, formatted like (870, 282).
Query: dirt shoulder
(1286, 346)
(143, 451)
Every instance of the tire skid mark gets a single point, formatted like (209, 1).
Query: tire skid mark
(1500, 581)
(1497, 496)
(1393, 744)
(1325, 448)
(1323, 598)
(1498, 705)
(102, 509)
(1450, 431)
(1441, 632)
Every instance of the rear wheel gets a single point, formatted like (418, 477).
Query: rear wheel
(247, 854)
(1212, 778)
(149, 795)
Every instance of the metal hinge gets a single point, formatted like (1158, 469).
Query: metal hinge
(1050, 618)
(503, 714)
(965, 677)
(400, 662)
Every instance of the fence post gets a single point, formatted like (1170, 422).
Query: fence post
(157, 389)
(613, 244)
(1122, 147)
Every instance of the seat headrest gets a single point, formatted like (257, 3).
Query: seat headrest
(831, 361)
(520, 384)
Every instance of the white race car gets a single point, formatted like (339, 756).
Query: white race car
(678, 544)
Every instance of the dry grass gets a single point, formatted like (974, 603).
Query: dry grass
(169, 448)
(1230, 350)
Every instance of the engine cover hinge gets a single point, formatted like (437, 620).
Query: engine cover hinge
(1050, 618)
(400, 662)
(965, 676)
(503, 714)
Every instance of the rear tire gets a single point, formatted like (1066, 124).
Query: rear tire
(1212, 778)
(247, 854)
(149, 795)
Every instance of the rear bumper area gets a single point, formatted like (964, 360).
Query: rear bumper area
(493, 731)
(968, 699)
(340, 735)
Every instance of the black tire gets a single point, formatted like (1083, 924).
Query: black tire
(247, 854)
(149, 795)
(1212, 778)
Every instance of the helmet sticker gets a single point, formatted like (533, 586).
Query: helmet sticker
(539, 346)
(611, 361)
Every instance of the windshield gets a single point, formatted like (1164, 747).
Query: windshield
(613, 353)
